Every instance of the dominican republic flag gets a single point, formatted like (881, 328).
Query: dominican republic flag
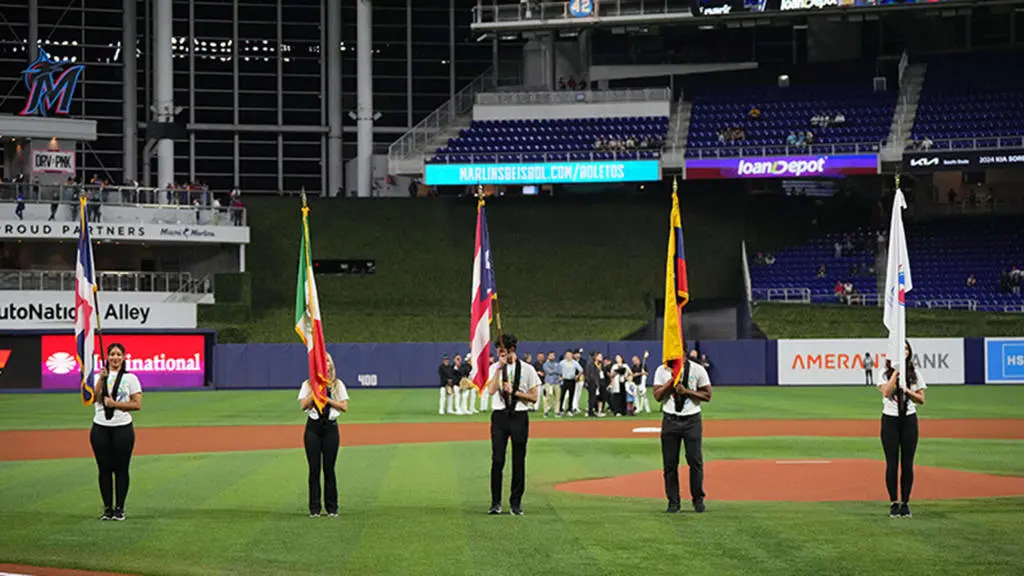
(677, 292)
(897, 284)
(85, 308)
(484, 294)
(307, 318)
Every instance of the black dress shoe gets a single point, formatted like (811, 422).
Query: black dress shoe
(672, 509)
(699, 507)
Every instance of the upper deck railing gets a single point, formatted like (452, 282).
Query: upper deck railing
(954, 144)
(64, 281)
(574, 97)
(203, 207)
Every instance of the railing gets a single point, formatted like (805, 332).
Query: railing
(991, 143)
(439, 120)
(574, 97)
(783, 295)
(759, 151)
(185, 206)
(1014, 309)
(64, 280)
(520, 157)
(485, 13)
(861, 300)
(951, 304)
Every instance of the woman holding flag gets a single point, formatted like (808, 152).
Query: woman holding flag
(113, 436)
(899, 431)
(323, 396)
(322, 440)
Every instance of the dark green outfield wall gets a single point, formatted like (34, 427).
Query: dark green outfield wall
(574, 255)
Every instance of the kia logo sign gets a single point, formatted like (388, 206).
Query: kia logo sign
(922, 162)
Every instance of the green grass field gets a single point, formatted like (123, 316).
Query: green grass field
(419, 508)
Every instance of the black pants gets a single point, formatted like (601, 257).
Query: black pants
(322, 442)
(593, 396)
(504, 426)
(112, 446)
(899, 440)
(685, 431)
(869, 380)
(568, 393)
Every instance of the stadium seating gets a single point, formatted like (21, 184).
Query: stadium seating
(554, 140)
(971, 96)
(940, 263)
(868, 119)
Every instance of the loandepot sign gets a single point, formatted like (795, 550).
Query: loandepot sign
(51, 86)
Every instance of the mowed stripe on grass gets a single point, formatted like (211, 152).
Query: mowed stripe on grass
(50, 444)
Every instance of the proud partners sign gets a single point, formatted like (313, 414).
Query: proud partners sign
(842, 362)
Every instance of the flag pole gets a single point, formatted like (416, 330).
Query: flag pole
(95, 300)
(494, 304)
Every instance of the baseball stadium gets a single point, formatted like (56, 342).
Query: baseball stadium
(511, 287)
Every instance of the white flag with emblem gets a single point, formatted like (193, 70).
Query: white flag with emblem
(897, 283)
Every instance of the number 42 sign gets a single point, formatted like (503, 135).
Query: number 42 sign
(581, 8)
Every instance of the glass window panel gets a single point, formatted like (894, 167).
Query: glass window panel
(255, 165)
(104, 91)
(297, 182)
(211, 11)
(263, 183)
(213, 115)
(301, 167)
(256, 100)
(213, 98)
(300, 117)
(207, 81)
(255, 115)
(214, 166)
(250, 82)
(303, 152)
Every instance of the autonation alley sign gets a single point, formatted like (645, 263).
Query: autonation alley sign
(46, 310)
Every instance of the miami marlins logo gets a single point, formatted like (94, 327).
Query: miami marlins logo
(51, 86)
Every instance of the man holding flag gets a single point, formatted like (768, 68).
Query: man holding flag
(679, 384)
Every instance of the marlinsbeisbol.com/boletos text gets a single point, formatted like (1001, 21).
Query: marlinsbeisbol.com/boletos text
(545, 173)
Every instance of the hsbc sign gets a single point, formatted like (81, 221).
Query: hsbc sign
(842, 362)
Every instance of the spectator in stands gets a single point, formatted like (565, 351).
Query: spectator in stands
(837, 250)
(809, 138)
(822, 271)
(54, 202)
(582, 84)
(19, 209)
(769, 259)
(848, 243)
(848, 289)
(561, 84)
(1004, 282)
(1016, 276)
(755, 113)
(971, 281)
(236, 207)
(792, 140)
(926, 144)
(721, 136)
(839, 118)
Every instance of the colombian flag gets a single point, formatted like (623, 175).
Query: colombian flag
(677, 293)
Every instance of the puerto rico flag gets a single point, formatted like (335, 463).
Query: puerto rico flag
(897, 283)
(484, 294)
(85, 308)
(677, 292)
(308, 324)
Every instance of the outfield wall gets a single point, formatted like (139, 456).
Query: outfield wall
(44, 360)
(736, 362)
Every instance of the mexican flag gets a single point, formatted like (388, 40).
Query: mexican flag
(307, 318)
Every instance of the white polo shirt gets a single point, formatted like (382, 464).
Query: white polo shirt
(340, 394)
(698, 379)
(129, 385)
(528, 380)
(889, 406)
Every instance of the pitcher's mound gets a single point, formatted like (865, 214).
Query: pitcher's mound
(804, 481)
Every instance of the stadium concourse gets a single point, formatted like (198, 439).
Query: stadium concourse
(440, 164)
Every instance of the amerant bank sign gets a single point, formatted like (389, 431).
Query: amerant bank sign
(842, 362)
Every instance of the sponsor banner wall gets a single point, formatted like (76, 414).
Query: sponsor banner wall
(841, 362)
(543, 173)
(159, 360)
(411, 365)
(962, 160)
(19, 362)
(782, 167)
(1004, 360)
(52, 310)
(135, 230)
